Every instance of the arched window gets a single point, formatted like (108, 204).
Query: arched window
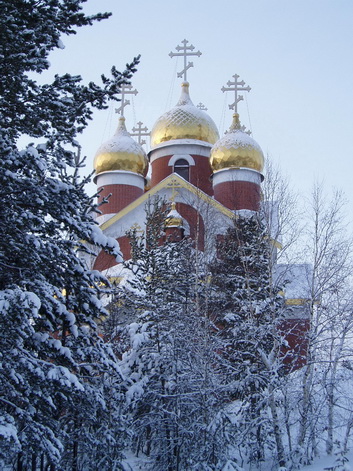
(181, 167)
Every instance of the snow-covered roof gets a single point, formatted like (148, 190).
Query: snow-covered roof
(296, 279)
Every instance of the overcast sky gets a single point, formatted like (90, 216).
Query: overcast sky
(295, 55)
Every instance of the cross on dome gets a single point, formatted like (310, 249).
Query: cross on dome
(185, 51)
(202, 107)
(140, 131)
(125, 90)
(236, 87)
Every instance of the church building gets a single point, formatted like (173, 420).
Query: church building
(207, 178)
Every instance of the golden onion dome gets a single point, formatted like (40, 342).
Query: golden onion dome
(236, 149)
(121, 152)
(184, 121)
(173, 218)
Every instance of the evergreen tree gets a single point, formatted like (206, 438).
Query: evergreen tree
(247, 310)
(173, 390)
(51, 359)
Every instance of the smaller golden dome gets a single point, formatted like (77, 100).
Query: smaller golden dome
(121, 152)
(147, 183)
(173, 218)
(184, 121)
(236, 149)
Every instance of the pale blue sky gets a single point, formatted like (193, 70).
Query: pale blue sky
(296, 56)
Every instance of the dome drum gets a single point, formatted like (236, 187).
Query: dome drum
(119, 196)
(197, 173)
(237, 174)
(238, 195)
(178, 148)
(119, 177)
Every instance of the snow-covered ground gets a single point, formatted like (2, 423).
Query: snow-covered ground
(330, 463)
(325, 463)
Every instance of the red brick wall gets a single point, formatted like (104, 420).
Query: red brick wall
(200, 173)
(238, 195)
(125, 247)
(160, 170)
(173, 234)
(197, 226)
(121, 196)
(295, 332)
(105, 261)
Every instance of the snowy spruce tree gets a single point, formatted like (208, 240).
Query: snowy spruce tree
(247, 310)
(174, 396)
(51, 359)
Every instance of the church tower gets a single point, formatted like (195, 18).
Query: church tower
(182, 137)
(120, 165)
(237, 162)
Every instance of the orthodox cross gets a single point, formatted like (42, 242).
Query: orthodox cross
(125, 90)
(185, 50)
(137, 228)
(174, 192)
(139, 132)
(236, 87)
(202, 107)
(174, 183)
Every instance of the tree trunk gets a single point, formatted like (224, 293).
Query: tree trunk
(75, 456)
(19, 466)
(277, 431)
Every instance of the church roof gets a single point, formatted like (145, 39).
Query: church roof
(184, 121)
(171, 182)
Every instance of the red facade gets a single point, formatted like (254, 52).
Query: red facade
(199, 174)
(120, 197)
(238, 195)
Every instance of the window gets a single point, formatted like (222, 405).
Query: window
(181, 167)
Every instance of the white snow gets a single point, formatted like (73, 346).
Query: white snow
(121, 142)
(60, 44)
(297, 276)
